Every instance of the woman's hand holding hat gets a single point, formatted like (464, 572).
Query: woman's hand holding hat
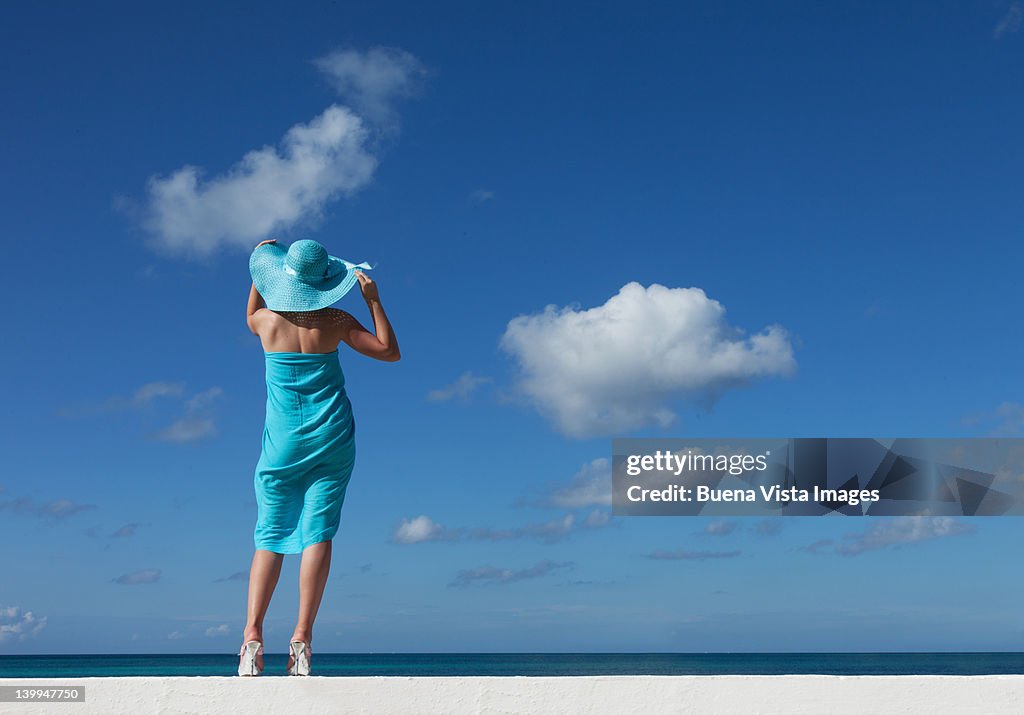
(368, 287)
(269, 240)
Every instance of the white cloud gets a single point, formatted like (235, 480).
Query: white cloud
(17, 624)
(273, 189)
(687, 555)
(720, 527)
(423, 528)
(548, 531)
(187, 429)
(55, 509)
(192, 426)
(214, 631)
(590, 486)
(614, 368)
(462, 388)
(268, 190)
(204, 398)
(894, 531)
(597, 519)
(62, 508)
(1005, 420)
(1011, 418)
(490, 574)
(143, 397)
(420, 529)
(145, 394)
(135, 578)
(1011, 21)
(481, 195)
(372, 81)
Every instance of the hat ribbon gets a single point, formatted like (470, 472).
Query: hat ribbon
(350, 266)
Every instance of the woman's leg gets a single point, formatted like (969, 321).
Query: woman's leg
(316, 565)
(266, 569)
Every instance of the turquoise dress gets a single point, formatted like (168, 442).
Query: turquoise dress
(308, 452)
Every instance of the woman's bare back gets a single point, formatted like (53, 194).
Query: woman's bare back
(317, 331)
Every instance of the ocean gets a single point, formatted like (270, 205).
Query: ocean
(558, 664)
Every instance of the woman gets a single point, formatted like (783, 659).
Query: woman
(309, 436)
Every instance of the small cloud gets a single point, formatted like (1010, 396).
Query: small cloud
(896, 531)
(462, 388)
(175, 636)
(372, 81)
(125, 531)
(1011, 418)
(768, 527)
(215, 631)
(142, 397)
(587, 582)
(135, 578)
(18, 624)
(186, 429)
(21, 505)
(481, 195)
(492, 575)
(203, 399)
(684, 555)
(817, 546)
(720, 527)
(591, 485)
(63, 508)
(148, 392)
(548, 531)
(421, 529)
(1011, 21)
(236, 576)
(58, 509)
(1006, 420)
(194, 425)
(597, 519)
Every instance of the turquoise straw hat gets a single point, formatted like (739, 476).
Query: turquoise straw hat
(305, 277)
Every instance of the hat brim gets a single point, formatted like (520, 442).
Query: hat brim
(283, 291)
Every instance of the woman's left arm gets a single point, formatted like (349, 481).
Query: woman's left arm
(255, 303)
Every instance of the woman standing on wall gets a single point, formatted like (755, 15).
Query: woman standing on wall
(309, 436)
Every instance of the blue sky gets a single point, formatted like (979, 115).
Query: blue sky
(796, 220)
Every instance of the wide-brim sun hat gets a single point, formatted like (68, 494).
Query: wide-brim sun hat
(303, 277)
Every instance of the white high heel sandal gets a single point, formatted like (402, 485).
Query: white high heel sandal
(300, 652)
(248, 653)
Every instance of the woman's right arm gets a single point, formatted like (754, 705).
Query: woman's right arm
(382, 343)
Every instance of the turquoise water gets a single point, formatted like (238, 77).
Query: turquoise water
(440, 664)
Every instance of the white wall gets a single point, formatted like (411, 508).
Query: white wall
(645, 695)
